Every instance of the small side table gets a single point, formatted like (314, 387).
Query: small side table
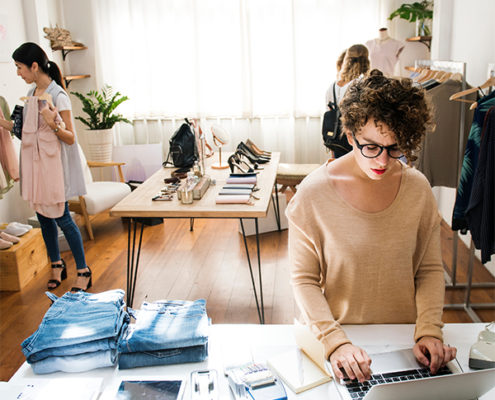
(23, 261)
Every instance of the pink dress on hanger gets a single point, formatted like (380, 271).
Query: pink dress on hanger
(8, 158)
(42, 178)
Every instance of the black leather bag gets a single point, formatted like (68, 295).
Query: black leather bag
(183, 150)
(16, 118)
(333, 137)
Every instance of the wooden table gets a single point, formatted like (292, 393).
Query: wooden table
(138, 205)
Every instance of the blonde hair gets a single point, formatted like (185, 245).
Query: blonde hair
(356, 62)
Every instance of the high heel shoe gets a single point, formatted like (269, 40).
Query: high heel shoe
(86, 274)
(241, 160)
(252, 158)
(254, 153)
(233, 161)
(256, 149)
(63, 276)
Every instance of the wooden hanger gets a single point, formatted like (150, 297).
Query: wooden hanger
(487, 84)
(44, 96)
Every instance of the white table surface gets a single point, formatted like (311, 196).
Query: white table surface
(235, 344)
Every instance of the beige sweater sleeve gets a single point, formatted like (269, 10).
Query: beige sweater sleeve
(307, 278)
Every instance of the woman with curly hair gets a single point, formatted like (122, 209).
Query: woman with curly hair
(364, 231)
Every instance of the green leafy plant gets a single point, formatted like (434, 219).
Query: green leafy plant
(100, 107)
(417, 11)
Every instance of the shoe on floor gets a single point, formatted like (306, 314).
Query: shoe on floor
(9, 238)
(4, 245)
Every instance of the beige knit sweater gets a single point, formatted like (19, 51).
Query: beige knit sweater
(353, 267)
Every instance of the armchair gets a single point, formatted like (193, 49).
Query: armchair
(100, 196)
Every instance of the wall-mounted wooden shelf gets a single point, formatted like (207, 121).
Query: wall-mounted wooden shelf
(426, 40)
(69, 78)
(67, 49)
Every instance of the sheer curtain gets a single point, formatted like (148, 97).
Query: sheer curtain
(258, 67)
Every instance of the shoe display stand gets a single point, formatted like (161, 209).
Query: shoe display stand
(23, 261)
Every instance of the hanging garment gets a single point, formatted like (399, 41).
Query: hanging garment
(8, 157)
(469, 164)
(480, 213)
(42, 181)
(71, 160)
(438, 158)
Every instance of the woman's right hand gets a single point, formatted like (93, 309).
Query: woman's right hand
(353, 360)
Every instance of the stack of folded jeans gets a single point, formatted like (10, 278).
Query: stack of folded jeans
(79, 332)
(165, 332)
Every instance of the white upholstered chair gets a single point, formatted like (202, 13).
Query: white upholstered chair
(100, 196)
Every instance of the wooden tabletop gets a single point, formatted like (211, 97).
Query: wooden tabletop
(139, 204)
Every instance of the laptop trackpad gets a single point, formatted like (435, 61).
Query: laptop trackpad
(400, 360)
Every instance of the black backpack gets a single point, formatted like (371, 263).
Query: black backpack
(333, 137)
(182, 149)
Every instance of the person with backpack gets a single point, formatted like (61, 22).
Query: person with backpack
(364, 231)
(354, 64)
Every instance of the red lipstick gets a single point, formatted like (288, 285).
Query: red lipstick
(378, 171)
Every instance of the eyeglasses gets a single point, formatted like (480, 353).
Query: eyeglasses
(374, 150)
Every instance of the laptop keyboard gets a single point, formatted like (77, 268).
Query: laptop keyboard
(358, 390)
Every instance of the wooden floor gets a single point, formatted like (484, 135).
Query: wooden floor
(208, 263)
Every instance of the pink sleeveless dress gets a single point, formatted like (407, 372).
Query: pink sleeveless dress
(42, 178)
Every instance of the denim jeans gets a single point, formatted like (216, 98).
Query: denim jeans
(76, 363)
(76, 319)
(71, 232)
(92, 346)
(166, 325)
(163, 357)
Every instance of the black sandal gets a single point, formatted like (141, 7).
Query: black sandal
(86, 274)
(63, 276)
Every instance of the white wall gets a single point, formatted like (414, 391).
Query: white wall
(464, 31)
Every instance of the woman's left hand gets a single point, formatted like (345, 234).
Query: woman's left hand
(433, 353)
(49, 114)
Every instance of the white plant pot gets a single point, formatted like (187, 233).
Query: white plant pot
(100, 143)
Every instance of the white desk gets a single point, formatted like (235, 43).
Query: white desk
(237, 343)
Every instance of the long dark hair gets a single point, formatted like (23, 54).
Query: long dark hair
(28, 53)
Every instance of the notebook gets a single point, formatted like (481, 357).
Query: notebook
(397, 375)
(297, 370)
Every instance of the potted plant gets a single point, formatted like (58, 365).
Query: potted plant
(99, 107)
(419, 12)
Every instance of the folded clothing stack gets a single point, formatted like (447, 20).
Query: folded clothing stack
(238, 189)
(79, 332)
(165, 332)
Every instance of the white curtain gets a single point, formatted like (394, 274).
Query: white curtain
(258, 67)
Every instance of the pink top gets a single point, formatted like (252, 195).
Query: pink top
(8, 158)
(384, 54)
(42, 178)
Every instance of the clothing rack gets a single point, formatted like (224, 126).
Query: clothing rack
(451, 282)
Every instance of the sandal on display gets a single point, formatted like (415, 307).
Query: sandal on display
(86, 274)
(63, 276)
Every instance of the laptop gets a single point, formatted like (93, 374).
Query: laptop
(398, 375)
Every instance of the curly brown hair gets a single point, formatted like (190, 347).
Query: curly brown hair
(355, 63)
(403, 107)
